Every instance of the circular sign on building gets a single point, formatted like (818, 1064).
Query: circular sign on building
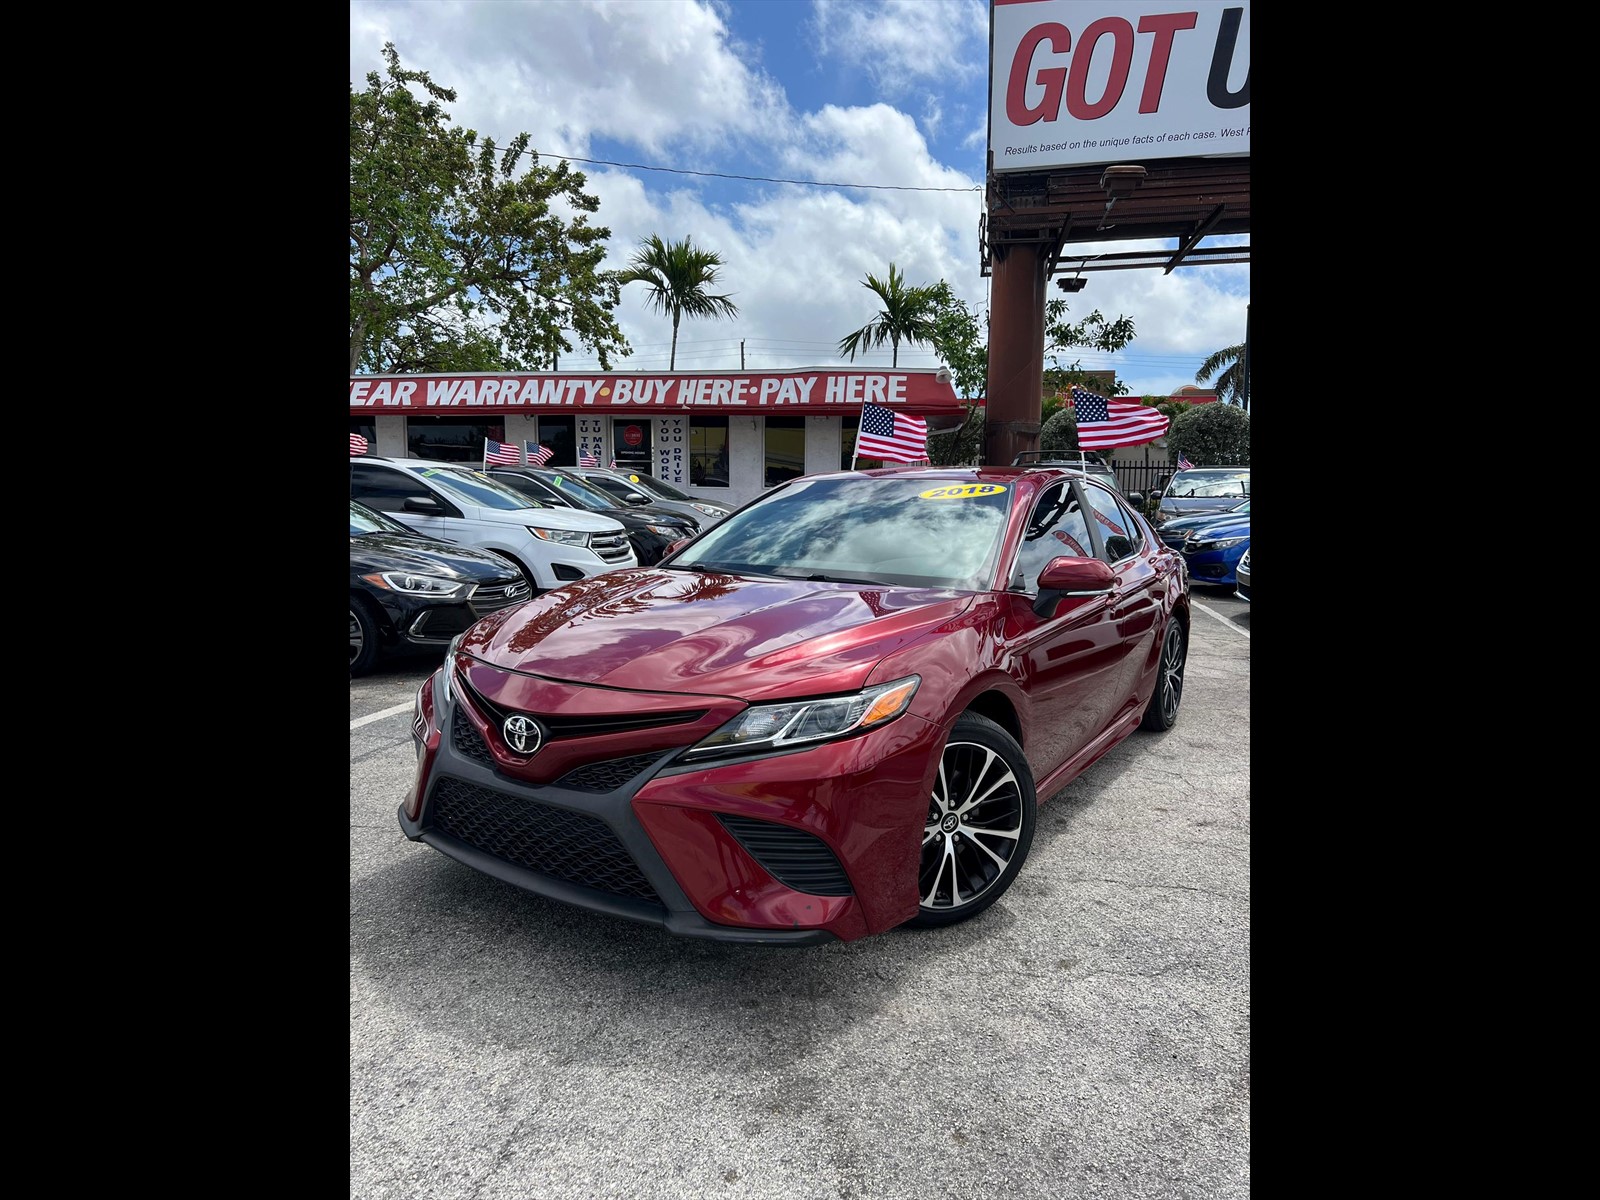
(633, 435)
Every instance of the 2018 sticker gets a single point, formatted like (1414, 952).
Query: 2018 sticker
(961, 491)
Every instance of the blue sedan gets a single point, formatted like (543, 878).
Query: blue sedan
(1214, 550)
(1175, 531)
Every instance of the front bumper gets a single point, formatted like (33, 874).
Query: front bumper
(1214, 566)
(790, 849)
(424, 623)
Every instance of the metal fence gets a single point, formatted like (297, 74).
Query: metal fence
(1143, 476)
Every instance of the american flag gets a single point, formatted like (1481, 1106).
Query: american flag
(891, 435)
(588, 460)
(1104, 423)
(503, 453)
(613, 464)
(540, 455)
(358, 444)
(1183, 462)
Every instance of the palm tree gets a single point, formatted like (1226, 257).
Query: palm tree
(677, 276)
(1227, 365)
(907, 316)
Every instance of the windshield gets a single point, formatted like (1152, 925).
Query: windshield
(474, 487)
(365, 520)
(576, 487)
(652, 484)
(915, 532)
(1220, 484)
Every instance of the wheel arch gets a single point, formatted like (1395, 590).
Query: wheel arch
(998, 707)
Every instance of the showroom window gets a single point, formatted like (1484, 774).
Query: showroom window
(450, 440)
(559, 434)
(786, 449)
(708, 451)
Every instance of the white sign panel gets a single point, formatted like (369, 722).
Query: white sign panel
(592, 441)
(672, 449)
(1080, 82)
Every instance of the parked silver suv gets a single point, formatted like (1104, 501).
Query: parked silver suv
(459, 503)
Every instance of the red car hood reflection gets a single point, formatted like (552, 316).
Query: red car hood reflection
(711, 634)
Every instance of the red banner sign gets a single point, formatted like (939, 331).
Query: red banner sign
(814, 391)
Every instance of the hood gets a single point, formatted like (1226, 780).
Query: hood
(576, 520)
(1191, 505)
(373, 552)
(705, 633)
(637, 518)
(1210, 531)
(1202, 521)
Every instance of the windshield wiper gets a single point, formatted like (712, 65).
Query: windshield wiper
(819, 577)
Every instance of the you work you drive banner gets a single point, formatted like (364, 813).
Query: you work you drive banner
(1080, 82)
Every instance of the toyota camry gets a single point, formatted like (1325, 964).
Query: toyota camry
(834, 713)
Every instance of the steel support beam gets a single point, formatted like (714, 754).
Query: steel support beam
(1016, 351)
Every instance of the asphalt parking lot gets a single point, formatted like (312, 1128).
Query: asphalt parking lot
(1088, 1036)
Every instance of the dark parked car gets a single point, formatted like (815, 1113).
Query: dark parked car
(833, 713)
(1241, 577)
(1090, 463)
(650, 529)
(411, 594)
(1203, 492)
(626, 485)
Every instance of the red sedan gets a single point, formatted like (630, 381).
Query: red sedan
(835, 712)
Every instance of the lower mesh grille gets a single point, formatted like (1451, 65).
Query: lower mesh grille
(607, 776)
(793, 857)
(571, 846)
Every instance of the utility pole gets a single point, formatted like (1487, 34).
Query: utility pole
(1244, 390)
(741, 354)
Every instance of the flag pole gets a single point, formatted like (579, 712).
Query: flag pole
(855, 451)
(485, 456)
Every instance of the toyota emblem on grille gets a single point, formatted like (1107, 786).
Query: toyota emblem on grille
(523, 734)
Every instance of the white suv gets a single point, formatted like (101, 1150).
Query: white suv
(459, 503)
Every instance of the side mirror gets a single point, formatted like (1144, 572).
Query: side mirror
(423, 504)
(636, 499)
(1136, 499)
(1071, 577)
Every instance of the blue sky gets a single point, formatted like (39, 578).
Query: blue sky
(885, 92)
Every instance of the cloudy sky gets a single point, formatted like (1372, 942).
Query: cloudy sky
(890, 93)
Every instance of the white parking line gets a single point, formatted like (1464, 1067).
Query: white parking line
(378, 716)
(1213, 612)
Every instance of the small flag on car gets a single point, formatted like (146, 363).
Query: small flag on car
(588, 460)
(358, 445)
(1183, 462)
(500, 453)
(540, 455)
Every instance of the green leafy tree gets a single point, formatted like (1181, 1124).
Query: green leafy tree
(676, 276)
(1227, 367)
(1093, 332)
(459, 258)
(1059, 434)
(961, 341)
(907, 315)
(1211, 435)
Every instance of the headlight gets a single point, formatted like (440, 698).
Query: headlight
(1220, 544)
(778, 726)
(450, 669)
(420, 585)
(565, 537)
(710, 510)
(666, 531)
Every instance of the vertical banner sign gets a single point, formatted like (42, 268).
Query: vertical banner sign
(592, 440)
(672, 449)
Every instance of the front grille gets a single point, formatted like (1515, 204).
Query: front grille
(500, 595)
(609, 775)
(571, 727)
(793, 857)
(612, 547)
(467, 742)
(570, 846)
(442, 624)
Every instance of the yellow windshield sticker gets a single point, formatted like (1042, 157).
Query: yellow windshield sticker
(961, 491)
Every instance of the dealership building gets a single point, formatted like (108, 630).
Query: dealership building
(726, 437)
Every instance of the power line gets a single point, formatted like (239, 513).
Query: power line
(879, 187)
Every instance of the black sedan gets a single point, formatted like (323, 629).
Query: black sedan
(410, 594)
(650, 529)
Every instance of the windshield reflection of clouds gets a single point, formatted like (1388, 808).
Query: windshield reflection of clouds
(879, 529)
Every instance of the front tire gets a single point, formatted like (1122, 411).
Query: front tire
(1161, 713)
(363, 639)
(981, 817)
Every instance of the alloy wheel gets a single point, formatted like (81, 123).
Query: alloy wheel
(974, 821)
(357, 641)
(1172, 660)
